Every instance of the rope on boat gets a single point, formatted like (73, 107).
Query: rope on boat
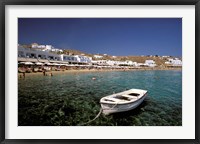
(114, 106)
(101, 110)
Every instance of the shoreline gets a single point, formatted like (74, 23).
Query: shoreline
(93, 70)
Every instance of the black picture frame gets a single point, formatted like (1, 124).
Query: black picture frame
(4, 3)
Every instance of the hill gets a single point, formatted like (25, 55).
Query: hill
(139, 59)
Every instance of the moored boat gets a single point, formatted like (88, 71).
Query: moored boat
(123, 101)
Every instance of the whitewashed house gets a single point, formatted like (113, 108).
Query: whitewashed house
(76, 59)
(111, 63)
(174, 62)
(83, 59)
(98, 56)
(177, 62)
(129, 63)
(170, 60)
(42, 47)
(167, 62)
(102, 62)
(68, 58)
(48, 47)
(36, 54)
(56, 50)
(150, 63)
(165, 56)
(135, 64)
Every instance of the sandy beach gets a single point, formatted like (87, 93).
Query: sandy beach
(93, 70)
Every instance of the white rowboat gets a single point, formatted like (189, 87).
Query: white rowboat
(123, 101)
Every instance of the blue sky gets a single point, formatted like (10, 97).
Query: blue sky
(113, 36)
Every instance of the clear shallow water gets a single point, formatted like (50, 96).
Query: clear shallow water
(73, 99)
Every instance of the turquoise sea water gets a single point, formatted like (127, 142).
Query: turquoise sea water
(73, 99)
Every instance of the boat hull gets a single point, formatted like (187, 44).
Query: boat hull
(115, 108)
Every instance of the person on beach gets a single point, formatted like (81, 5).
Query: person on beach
(24, 75)
(51, 74)
(44, 73)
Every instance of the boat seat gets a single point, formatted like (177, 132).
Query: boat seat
(114, 99)
(128, 96)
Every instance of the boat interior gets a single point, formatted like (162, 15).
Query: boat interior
(123, 97)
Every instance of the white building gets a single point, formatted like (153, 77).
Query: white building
(48, 47)
(98, 56)
(76, 59)
(174, 62)
(35, 54)
(34, 45)
(45, 47)
(42, 47)
(100, 62)
(170, 59)
(68, 58)
(165, 56)
(150, 63)
(177, 63)
(83, 59)
(114, 63)
(167, 62)
(135, 64)
(56, 50)
(47, 56)
(130, 63)
(125, 63)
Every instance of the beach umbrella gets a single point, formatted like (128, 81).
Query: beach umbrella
(66, 64)
(63, 64)
(39, 63)
(82, 65)
(56, 64)
(28, 63)
(21, 63)
(71, 65)
(47, 63)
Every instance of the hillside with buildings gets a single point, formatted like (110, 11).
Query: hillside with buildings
(47, 53)
(159, 60)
